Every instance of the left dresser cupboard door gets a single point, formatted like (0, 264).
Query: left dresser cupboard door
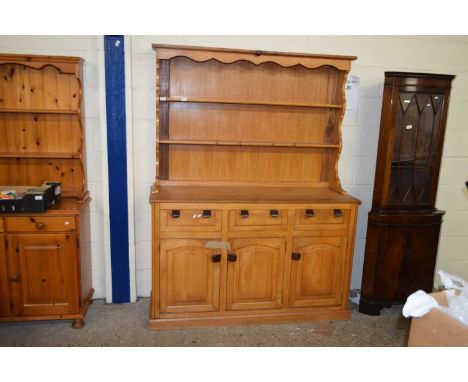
(42, 274)
(190, 276)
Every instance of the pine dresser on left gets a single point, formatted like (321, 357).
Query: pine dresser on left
(45, 259)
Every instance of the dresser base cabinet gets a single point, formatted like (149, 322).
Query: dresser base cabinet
(401, 251)
(242, 263)
(45, 265)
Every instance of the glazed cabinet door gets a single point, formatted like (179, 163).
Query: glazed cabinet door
(416, 149)
(43, 274)
(189, 276)
(255, 274)
(316, 271)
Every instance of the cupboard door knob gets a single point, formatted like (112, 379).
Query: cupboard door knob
(310, 213)
(175, 214)
(274, 213)
(40, 225)
(232, 257)
(338, 213)
(296, 256)
(244, 214)
(14, 278)
(206, 214)
(216, 258)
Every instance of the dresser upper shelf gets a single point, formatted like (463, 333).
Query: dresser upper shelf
(249, 118)
(39, 111)
(249, 143)
(248, 102)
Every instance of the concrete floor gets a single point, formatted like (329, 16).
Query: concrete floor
(126, 325)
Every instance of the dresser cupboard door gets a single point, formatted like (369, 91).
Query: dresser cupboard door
(190, 275)
(255, 274)
(4, 294)
(317, 270)
(43, 274)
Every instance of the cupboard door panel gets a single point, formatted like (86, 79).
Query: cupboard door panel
(43, 274)
(255, 274)
(190, 276)
(316, 270)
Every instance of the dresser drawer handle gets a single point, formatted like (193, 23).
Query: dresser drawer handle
(40, 225)
(274, 213)
(310, 213)
(338, 213)
(232, 257)
(206, 214)
(244, 214)
(216, 258)
(175, 214)
(296, 256)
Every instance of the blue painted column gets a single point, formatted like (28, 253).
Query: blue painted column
(117, 166)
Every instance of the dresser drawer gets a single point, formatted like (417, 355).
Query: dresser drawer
(191, 220)
(40, 224)
(1, 225)
(269, 219)
(309, 218)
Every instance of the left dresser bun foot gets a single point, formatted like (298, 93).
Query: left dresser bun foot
(78, 323)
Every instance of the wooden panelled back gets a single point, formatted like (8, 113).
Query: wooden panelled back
(244, 164)
(45, 89)
(255, 123)
(40, 133)
(41, 129)
(26, 171)
(244, 81)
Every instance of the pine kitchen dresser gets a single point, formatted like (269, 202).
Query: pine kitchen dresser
(250, 223)
(45, 263)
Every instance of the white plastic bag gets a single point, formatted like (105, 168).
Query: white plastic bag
(457, 302)
(420, 303)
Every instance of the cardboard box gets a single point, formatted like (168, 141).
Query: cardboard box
(437, 328)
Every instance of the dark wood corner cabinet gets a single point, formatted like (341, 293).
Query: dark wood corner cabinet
(404, 225)
(45, 264)
(250, 223)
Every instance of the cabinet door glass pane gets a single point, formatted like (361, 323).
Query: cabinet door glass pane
(416, 139)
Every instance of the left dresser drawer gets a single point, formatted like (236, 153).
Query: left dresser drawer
(40, 224)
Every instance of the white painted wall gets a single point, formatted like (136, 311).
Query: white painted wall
(376, 54)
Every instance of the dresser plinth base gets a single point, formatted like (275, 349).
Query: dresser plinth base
(248, 319)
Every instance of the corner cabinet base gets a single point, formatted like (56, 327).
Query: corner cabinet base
(247, 319)
(400, 257)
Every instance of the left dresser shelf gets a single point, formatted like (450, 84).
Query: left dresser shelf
(45, 259)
